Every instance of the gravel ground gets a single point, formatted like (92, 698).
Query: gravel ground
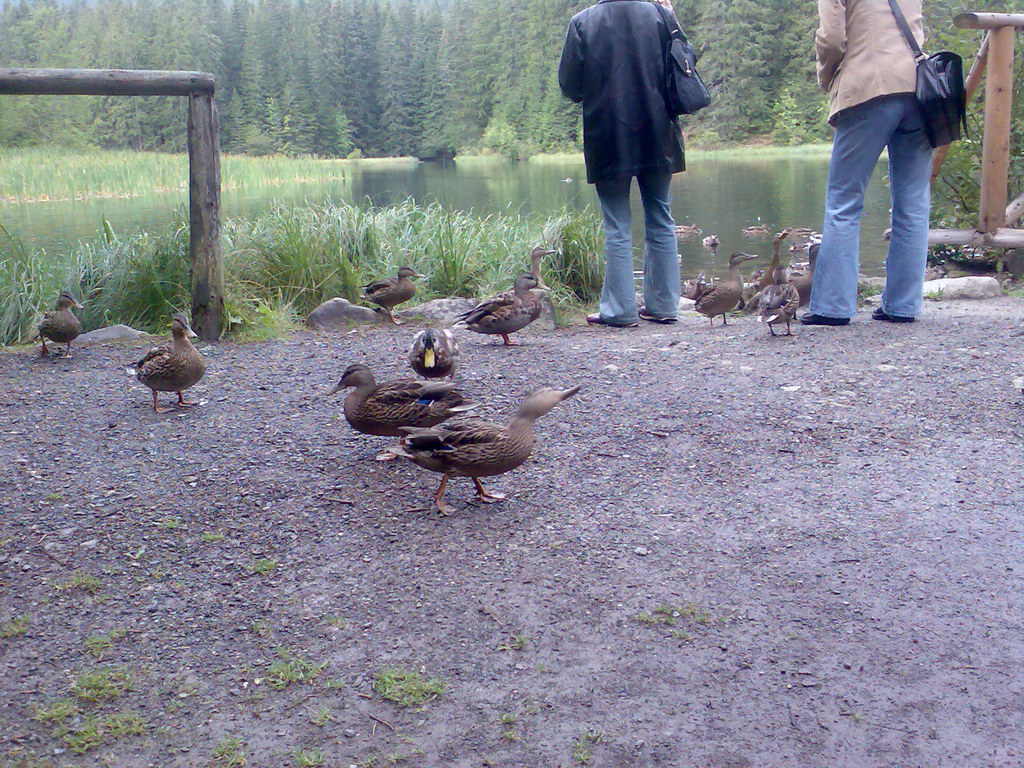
(728, 551)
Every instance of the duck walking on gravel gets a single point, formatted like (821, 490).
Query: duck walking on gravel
(779, 302)
(383, 409)
(435, 354)
(389, 293)
(726, 295)
(60, 326)
(174, 367)
(507, 312)
(474, 448)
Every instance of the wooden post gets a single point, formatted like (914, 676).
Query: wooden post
(995, 160)
(204, 216)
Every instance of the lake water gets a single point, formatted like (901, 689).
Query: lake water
(719, 193)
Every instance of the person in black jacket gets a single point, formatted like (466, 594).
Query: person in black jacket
(613, 63)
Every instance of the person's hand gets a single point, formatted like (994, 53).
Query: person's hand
(665, 3)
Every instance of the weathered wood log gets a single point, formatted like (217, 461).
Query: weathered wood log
(103, 82)
(988, 20)
(974, 79)
(1015, 210)
(204, 216)
(1001, 238)
(995, 156)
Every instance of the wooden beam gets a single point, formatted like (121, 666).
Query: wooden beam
(974, 79)
(995, 157)
(103, 82)
(204, 216)
(1001, 238)
(988, 20)
(1015, 210)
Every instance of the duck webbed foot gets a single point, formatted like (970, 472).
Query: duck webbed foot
(182, 402)
(509, 342)
(486, 496)
(439, 502)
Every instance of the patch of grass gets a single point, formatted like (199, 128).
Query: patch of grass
(264, 566)
(338, 622)
(508, 718)
(511, 734)
(211, 537)
(102, 684)
(322, 717)
(229, 753)
(95, 732)
(670, 615)
(57, 712)
(407, 687)
(16, 627)
(80, 580)
(261, 628)
(335, 685)
(289, 669)
(935, 295)
(515, 643)
(308, 758)
(170, 523)
(98, 645)
(582, 748)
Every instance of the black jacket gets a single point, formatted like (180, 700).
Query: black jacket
(613, 62)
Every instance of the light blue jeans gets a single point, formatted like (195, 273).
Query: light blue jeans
(661, 258)
(862, 133)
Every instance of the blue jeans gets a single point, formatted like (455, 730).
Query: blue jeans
(661, 259)
(862, 133)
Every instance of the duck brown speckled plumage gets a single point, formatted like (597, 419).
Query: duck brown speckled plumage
(726, 295)
(475, 448)
(507, 312)
(389, 293)
(60, 326)
(174, 367)
(804, 282)
(779, 302)
(434, 354)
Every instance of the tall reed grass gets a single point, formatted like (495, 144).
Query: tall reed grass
(284, 263)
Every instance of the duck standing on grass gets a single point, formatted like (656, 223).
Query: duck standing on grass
(726, 295)
(435, 354)
(60, 326)
(474, 448)
(383, 409)
(779, 302)
(389, 293)
(174, 367)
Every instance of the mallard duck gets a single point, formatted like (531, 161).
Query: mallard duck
(389, 293)
(174, 367)
(434, 354)
(507, 312)
(711, 241)
(695, 288)
(724, 296)
(60, 325)
(474, 448)
(779, 302)
(757, 230)
(803, 282)
(384, 409)
(687, 230)
(768, 276)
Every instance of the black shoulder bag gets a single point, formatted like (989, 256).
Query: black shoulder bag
(941, 96)
(685, 92)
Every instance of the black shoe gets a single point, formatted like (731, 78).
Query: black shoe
(878, 314)
(596, 319)
(655, 319)
(812, 319)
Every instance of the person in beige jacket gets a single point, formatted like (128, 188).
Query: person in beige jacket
(868, 68)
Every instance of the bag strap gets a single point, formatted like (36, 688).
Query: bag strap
(674, 28)
(901, 22)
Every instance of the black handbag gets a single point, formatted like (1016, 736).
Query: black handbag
(685, 92)
(941, 95)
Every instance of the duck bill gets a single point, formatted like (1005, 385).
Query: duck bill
(78, 305)
(332, 391)
(189, 333)
(567, 393)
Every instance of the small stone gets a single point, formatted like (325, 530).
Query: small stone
(642, 551)
(338, 314)
(349, 733)
(113, 333)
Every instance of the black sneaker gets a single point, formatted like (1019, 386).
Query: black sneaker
(596, 319)
(645, 315)
(812, 319)
(878, 314)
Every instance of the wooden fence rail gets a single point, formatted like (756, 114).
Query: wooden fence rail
(203, 153)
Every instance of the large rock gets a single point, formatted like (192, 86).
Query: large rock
(952, 288)
(113, 333)
(338, 314)
(438, 311)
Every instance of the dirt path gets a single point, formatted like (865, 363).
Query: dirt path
(830, 526)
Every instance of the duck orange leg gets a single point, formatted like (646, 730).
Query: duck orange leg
(68, 353)
(44, 351)
(391, 316)
(156, 405)
(486, 496)
(183, 402)
(443, 508)
(508, 341)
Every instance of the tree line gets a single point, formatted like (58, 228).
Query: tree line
(393, 77)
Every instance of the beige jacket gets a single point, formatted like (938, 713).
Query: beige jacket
(861, 52)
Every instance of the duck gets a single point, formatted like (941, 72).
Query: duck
(711, 241)
(779, 302)
(726, 295)
(389, 293)
(758, 229)
(695, 288)
(434, 354)
(507, 312)
(383, 409)
(174, 367)
(687, 230)
(803, 282)
(768, 276)
(471, 447)
(60, 326)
